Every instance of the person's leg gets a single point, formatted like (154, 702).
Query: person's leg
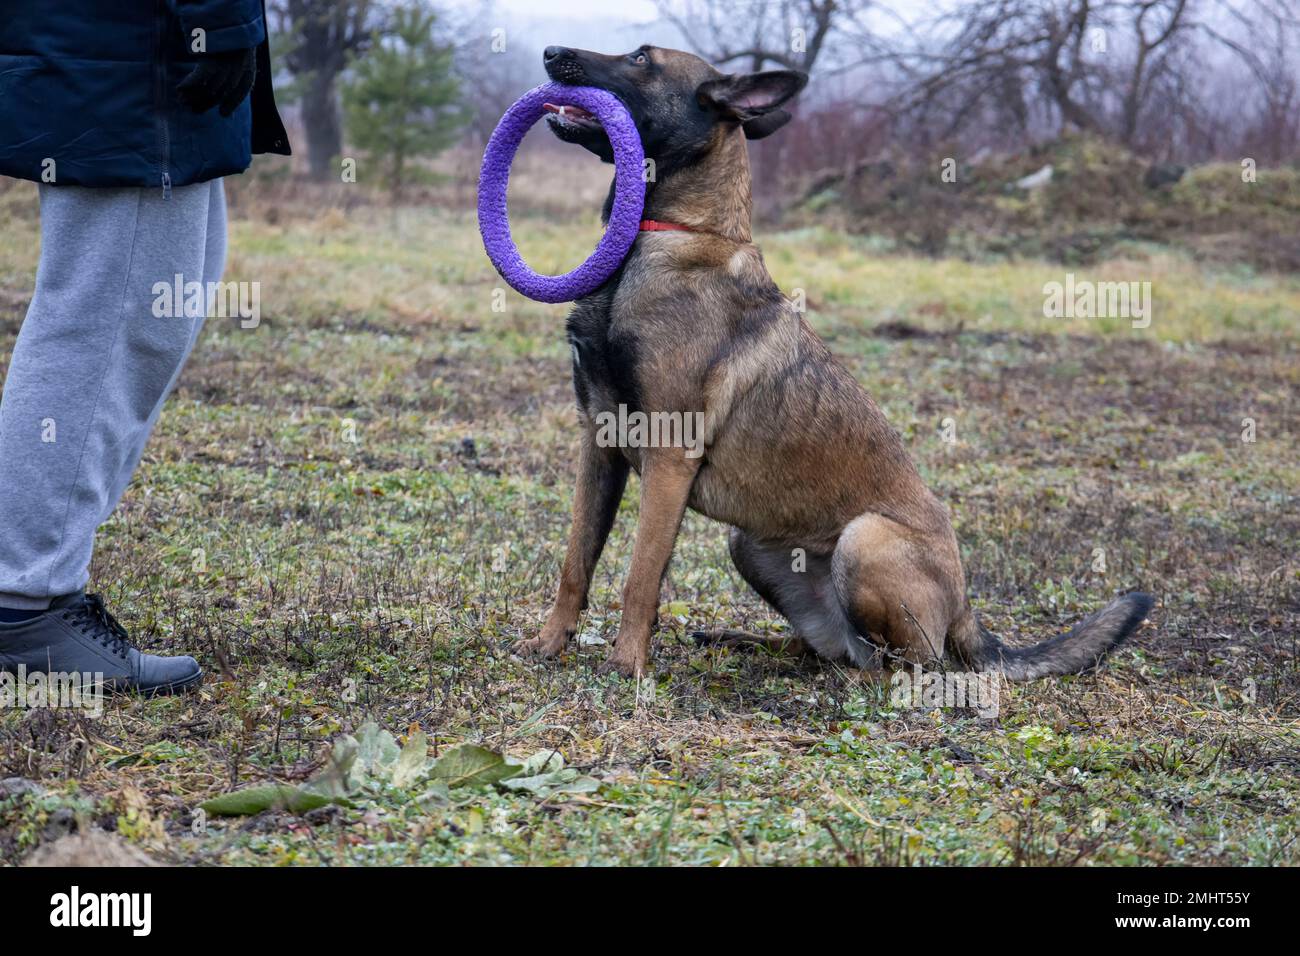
(214, 264)
(90, 366)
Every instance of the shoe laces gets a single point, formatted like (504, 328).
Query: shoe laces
(94, 620)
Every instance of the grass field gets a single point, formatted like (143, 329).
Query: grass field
(325, 581)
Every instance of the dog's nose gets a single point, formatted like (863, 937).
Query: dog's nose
(554, 53)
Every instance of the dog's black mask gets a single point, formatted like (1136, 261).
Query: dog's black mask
(676, 99)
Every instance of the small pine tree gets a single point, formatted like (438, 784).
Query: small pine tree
(400, 101)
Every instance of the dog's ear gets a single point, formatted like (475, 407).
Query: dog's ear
(747, 96)
(765, 125)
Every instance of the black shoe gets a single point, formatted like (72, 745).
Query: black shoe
(78, 635)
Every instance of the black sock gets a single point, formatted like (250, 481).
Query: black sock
(13, 615)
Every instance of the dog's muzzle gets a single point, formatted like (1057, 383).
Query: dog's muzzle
(562, 65)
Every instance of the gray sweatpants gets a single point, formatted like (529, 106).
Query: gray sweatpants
(91, 368)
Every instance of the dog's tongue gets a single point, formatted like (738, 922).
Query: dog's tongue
(577, 112)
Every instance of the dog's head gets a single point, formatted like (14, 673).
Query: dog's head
(677, 100)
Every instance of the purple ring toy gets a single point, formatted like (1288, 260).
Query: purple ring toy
(629, 193)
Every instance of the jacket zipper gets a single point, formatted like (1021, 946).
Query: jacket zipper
(160, 102)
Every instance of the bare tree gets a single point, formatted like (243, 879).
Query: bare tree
(492, 71)
(1279, 119)
(1157, 27)
(1096, 65)
(321, 35)
(764, 34)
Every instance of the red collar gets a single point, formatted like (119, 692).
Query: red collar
(654, 225)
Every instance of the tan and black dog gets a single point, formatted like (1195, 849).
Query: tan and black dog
(831, 523)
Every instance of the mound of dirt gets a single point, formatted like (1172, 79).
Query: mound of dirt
(1072, 201)
(91, 848)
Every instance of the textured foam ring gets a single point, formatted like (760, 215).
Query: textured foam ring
(629, 193)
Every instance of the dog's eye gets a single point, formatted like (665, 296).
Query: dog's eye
(640, 59)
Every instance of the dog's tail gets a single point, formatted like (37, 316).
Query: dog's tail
(1078, 651)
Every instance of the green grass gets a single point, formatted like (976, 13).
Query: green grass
(351, 581)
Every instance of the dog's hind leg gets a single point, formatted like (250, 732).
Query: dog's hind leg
(906, 584)
(776, 643)
(902, 585)
(800, 587)
(602, 475)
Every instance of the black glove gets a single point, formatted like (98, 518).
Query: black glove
(220, 79)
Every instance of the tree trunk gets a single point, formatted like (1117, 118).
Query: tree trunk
(399, 161)
(1133, 98)
(320, 116)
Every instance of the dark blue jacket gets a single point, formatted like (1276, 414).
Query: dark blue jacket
(88, 92)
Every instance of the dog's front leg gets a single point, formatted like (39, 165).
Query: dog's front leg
(602, 475)
(666, 478)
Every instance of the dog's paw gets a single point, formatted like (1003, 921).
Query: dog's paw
(547, 644)
(632, 664)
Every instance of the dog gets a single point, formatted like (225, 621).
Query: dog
(830, 521)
